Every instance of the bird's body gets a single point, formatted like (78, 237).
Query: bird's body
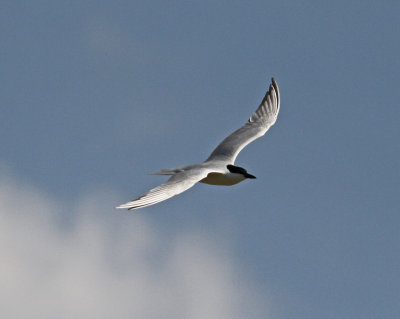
(219, 174)
(223, 179)
(218, 169)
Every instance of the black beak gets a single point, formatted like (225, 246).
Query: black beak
(249, 176)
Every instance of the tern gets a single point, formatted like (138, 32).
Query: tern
(219, 168)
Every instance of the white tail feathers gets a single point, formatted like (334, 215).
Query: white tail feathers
(167, 171)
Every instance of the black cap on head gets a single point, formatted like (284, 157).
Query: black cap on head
(239, 170)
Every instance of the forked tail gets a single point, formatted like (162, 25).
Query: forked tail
(168, 171)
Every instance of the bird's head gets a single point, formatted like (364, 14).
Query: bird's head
(239, 170)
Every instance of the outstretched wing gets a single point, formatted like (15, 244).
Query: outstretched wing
(175, 185)
(258, 124)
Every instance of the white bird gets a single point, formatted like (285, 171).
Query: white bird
(219, 168)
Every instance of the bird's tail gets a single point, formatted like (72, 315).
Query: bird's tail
(167, 171)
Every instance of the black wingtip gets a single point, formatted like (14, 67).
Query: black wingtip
(276, 88)
(274, 83)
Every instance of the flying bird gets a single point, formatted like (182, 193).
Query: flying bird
(219, 168)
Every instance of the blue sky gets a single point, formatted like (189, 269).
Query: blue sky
(97, 94)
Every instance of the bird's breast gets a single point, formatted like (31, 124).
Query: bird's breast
(227, 179)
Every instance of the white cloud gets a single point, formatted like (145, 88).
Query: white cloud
(104, 264)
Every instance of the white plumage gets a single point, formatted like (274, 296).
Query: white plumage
(218, 169)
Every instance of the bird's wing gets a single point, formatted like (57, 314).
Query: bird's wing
(175, 185)
(258, 124)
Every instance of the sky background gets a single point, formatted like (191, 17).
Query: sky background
(95, 95)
